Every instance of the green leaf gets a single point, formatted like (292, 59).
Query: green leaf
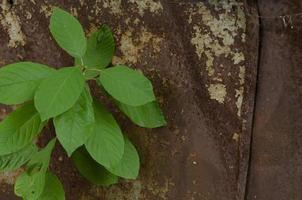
(68, 33)
(30, 184)
(15, 160)
(91, 170)
(148, 115)
(59, 92)
(53, 189)
(19, 81)
(128, 167)
(100, 49)
(40, 161)
(30, 187)
(75, 126)
(106, 143)
(19, 129)
(127, 85)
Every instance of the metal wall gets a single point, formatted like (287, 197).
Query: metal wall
(202, 57)
(276, 161)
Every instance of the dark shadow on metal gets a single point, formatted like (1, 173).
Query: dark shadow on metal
(252, 12)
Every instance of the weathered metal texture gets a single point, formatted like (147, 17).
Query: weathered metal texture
(277, 140)
(197, 56)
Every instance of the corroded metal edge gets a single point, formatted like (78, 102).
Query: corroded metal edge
(252, 63)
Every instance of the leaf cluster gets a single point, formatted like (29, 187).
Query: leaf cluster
(87, 131)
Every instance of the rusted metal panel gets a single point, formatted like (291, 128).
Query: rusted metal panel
(276, 151)
(198, 55)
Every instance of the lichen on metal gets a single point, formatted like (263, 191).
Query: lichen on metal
(46, 9)
(239, 92)
(113, 5)
(11, 23)
(236, 137)
(214, 37)
(131, 47)
(217, 92)
(9, 178)
(150, 5)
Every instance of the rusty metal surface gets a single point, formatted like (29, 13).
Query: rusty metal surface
(276, 164)
(198, 55)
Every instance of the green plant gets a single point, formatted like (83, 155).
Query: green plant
(87, 131)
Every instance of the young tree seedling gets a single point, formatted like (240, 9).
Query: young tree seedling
(86, 130)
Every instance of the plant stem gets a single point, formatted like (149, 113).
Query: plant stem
(99, 70)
